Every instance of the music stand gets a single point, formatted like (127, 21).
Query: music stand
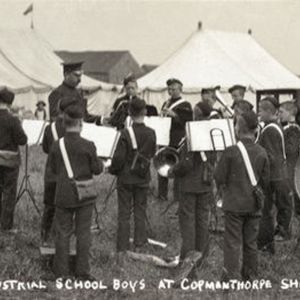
(26, 187)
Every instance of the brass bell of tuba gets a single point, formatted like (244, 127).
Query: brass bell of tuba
(164, 159)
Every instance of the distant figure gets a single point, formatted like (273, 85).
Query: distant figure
(40, 112)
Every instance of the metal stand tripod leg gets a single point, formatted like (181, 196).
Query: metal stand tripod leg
(25, 186)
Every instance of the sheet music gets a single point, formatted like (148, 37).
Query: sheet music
(161, 126)
(104, 138)
(202, 134)
(34, 130)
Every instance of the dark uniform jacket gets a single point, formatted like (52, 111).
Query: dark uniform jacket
(124, 154)
(271, 140)
(64, 90)
(84, 163)
(231, 174)
(192, 172)
(292, 146)
(12, 134)
(184, 113)
(47, 143)
(120, 112)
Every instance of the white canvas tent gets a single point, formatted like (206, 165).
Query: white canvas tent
(209, 58)
(29, 66)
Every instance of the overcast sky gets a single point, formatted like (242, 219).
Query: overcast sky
(152, 30)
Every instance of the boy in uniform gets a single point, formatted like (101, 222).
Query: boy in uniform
(291, 130)
(194, 173)
(238, 94)
(69, 208)
(53, 132)
(181, 112)
(239, 203)
(119, 112)
(131, 165)
(12, 136)
(271, 138)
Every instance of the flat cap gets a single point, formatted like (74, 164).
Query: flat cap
(250, 118)
(210, 89)
(6, 96)
(136, 106)
(72, 66)
(237, 87)
(129, 78)
(274, 101)
(172, 81)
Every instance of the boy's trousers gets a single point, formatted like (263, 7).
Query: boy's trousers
(64, 220)
(240, 237)
(131, 198)
(194, 221)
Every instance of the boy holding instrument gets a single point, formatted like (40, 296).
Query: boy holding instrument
(194, 174)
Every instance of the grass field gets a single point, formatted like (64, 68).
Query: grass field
(20, 259)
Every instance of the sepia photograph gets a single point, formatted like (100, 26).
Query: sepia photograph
(149, 149)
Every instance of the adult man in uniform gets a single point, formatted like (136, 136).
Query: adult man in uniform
(120, 107)
(238, 94)
(12, 136)
(68, 88)
(180, 111)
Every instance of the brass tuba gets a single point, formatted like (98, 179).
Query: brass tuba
(164, 159)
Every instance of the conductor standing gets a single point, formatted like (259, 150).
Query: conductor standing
(68, 88)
